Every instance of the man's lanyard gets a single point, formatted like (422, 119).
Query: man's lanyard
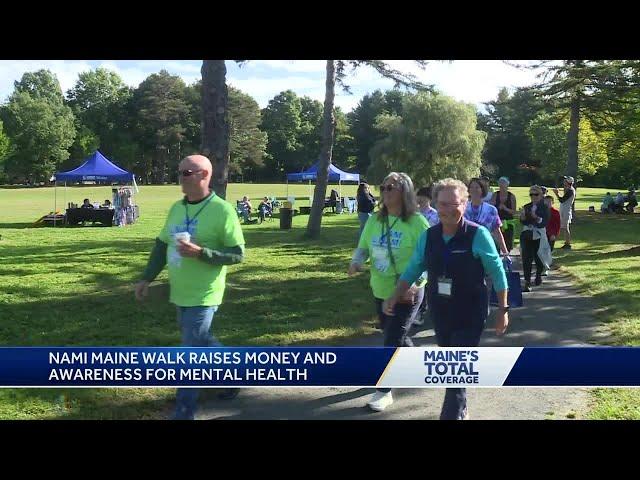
(447, 251)
(445, 283)
(446, 256)
(188, 220)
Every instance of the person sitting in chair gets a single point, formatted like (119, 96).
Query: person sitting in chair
(86, 203)
(246, 207)
(618, 203)
(107, 204)
(607, 204)
(265, 209)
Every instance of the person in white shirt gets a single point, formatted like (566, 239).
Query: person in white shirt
(489, 196)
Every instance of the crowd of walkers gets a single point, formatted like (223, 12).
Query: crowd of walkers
(436, 251)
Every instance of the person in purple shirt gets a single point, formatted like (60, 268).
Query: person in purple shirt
(424, 205)
(485, 214)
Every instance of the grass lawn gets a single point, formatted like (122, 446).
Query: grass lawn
(73, 286)
(605, 263)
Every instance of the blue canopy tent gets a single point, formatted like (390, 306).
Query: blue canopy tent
(95, 167)
(335, 175)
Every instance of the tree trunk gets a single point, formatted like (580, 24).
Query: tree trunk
(215, 125)
(572, 138)
(154, 167)
(164, 153)
(328, 132)
(159, 165)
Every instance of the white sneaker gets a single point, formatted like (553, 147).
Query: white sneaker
(379, 401)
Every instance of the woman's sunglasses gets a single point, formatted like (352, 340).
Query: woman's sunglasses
(388, 188)
(187, 173)
(534, 194)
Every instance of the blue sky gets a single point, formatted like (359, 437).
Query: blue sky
(472, 81)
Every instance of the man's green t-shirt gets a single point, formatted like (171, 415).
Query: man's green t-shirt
(404, 237)
(212, 223)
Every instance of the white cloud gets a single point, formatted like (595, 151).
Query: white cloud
(132, 76)
(66, 71)
(346, 102)
(179, 66)
(134, 72)
(473, 81)
(264, 89)
(302, 66)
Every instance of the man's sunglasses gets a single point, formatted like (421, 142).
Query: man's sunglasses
(187, 173)
(388, 188)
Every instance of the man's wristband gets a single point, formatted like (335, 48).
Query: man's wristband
(504, 309)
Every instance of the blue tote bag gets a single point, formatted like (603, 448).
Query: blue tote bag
(514, 297)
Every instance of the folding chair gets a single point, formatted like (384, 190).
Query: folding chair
(242, 212)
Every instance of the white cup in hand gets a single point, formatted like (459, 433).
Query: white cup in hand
(182, 237)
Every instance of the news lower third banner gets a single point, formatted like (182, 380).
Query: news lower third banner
(415, 367)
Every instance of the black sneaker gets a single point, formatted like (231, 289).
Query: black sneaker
(566, 246)
(229, 393)
(538, 281)
(527, 287)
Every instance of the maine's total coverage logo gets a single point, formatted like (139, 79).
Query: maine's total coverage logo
(437, 367)
(451, 366)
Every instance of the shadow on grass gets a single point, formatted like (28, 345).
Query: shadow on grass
(589, 255)
(19, 226)
(290, 308)
(98, 266)
(254, 311)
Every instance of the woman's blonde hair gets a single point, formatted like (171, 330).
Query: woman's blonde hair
(450, 183)
(409, 202)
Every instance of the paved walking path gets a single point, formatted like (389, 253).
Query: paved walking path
(554, 314)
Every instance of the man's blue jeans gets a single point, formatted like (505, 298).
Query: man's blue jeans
(195, 325)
